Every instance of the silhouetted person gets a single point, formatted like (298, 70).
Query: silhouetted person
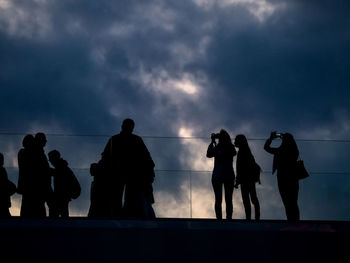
(99, 193)
(284, 161)
(129, 162)
(7, 188)
(33, 204)
(223, 173)
(63, 178)
(247, 176)
(25, 164)
(42, 167)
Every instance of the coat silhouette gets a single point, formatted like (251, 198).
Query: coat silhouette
(34, 181)
(7, 188)
(33, 205)
(223, 173)
(42, 167)
(100, 203)
(247, 176)
(64, 180)
(139, 196)
(129, 163)
(284, 162)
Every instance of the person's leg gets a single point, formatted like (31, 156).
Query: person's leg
(217, 186)
(292, 200)
(24, 207)
(289, 193)
(255, 200)
(40, 208)
(65, 209)
(283, 189)
(246, 200)
(229, 186)
(32, 207)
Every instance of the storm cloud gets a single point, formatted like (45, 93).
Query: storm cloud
(178, 68)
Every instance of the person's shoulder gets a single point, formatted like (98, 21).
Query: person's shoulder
(116, 137)
(21, 151)
(63, 163)
(137, 137)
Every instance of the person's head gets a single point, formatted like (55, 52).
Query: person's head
(128, 126)
(54, 157)
(1, 159)
(224, 137)
(241, 141)
(288, 141)
(28, 141)
(40, 139)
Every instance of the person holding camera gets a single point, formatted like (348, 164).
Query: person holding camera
(284, 162)
(223, 173)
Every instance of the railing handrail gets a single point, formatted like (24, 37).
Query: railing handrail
(167, 137)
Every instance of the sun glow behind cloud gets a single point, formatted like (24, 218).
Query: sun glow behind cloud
(179, 88)
(186, 85)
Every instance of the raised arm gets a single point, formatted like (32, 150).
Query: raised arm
(268, 142)
(210, 151)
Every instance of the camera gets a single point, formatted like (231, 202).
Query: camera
(278, 135)
(275, 135)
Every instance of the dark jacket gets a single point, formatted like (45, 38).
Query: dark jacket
(223, 161)
(26, 172)
(63, 177)
(245, 165)
(42, 176)
(127, 156)
(284, 159)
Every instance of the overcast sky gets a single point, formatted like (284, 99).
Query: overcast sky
(182, 68)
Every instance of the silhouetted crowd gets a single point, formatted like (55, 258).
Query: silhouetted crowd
(285, 162)
(35, 180)
(121, 188)
(123, 177)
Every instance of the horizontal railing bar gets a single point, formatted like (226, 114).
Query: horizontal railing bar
(203, 171)
(166, 137)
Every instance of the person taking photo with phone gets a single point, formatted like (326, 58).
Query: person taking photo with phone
(284, 162)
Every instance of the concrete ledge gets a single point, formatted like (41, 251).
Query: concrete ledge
(172, 240)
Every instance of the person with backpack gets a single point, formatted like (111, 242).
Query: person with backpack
(66, 185)
(7, 188)
(248, 174)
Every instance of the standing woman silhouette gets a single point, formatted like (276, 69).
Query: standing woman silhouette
(284, 161)
(247, 176)
(223, 173)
